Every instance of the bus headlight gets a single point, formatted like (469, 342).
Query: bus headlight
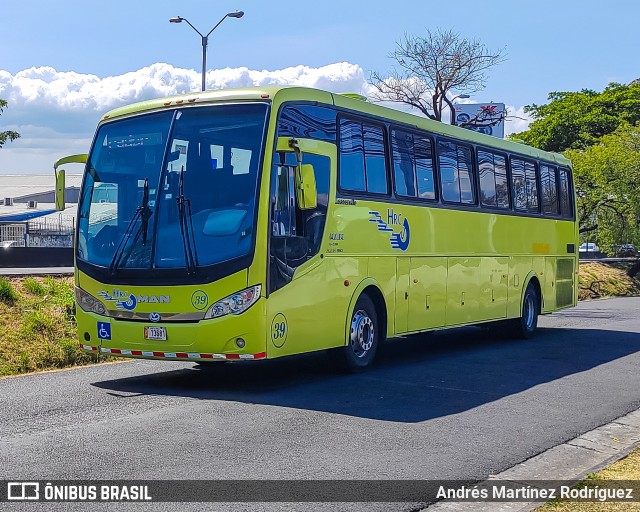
(234, 304)
(89, 303)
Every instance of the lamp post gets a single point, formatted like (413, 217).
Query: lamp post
(205, 39)
(452, 110)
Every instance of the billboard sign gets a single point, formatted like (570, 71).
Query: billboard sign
(487, 118)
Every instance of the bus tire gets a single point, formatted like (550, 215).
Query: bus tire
(364, 335)
(525, 326)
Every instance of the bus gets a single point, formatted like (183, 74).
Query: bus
(257, 223)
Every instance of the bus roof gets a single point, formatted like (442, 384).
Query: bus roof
(346, 101)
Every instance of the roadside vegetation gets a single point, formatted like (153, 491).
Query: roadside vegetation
(599, 280)
(37, 325)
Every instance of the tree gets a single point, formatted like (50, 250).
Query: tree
(433, 67)
(606, 177)
(577, 120)
(6, 135)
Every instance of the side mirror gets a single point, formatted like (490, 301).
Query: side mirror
(60, 181)
(306, 192)
(60, 189)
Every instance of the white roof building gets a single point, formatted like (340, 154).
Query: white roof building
(28, 196)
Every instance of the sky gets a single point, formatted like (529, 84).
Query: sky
(63, 64)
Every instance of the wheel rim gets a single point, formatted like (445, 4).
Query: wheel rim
(362, 333)
(529, 312)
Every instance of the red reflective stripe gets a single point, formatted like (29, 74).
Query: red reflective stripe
(180, 355)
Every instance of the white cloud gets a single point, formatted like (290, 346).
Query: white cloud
(517, 121)
(56, 111)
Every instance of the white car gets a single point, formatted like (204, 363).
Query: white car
(588, 247)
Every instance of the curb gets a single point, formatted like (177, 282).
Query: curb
(571, 461)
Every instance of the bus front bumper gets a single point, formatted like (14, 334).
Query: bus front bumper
(229, 338)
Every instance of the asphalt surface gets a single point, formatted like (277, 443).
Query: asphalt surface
(462, 404)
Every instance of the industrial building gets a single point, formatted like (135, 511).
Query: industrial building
(28, 216)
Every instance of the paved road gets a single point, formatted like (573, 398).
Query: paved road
(460, 404)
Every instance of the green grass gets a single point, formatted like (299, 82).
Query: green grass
(7, 294)
(34, 287)
(37, 326)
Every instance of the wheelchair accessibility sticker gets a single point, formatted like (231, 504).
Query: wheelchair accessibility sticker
(104, 330)
(396, 226)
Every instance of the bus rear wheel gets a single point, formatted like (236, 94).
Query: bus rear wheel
(364, 335)
(525, 326)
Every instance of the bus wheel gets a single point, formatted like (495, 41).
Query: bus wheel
(364, 333)
(525, 326)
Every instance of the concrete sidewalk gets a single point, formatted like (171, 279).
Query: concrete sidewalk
(36, 271)
(570, 461)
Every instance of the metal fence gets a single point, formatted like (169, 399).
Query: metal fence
(52, 231)
(13, 235)
(61, 225)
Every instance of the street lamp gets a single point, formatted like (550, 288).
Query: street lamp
(452, 110)
(205, 39)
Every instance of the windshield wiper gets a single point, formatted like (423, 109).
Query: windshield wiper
(142, 212)
(186, 227)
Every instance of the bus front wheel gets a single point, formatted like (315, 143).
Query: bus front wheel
(525, 326)
(364, 334)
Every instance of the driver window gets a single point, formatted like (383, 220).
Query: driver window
(296, 234)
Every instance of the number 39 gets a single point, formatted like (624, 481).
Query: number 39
(279, 330)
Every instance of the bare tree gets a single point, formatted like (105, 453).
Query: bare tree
(433, 67)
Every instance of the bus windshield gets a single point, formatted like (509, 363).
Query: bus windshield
(173, 189)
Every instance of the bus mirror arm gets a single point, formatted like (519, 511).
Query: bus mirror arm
(293, 144)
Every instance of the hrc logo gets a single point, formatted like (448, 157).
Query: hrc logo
(394, 224)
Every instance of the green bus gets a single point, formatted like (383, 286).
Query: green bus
(257, 223)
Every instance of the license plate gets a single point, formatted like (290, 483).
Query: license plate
(155, 333)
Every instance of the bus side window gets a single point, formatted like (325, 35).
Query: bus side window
(486, 171)
(494, 186)
(413, 165)
(363, 165)
(403, 163)
(518, 184)
(566, 200)
(549, 190)
(449, 181)
(424, 168)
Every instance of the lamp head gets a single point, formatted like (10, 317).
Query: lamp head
(175, 19)
(237, 14)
